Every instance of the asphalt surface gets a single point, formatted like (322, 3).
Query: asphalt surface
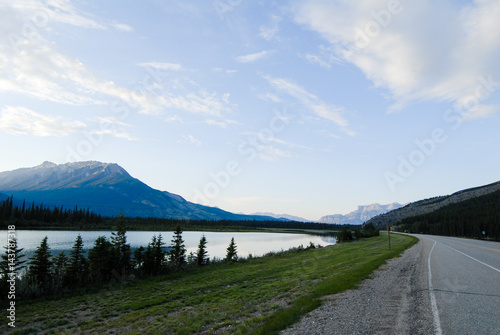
(463, 278)
(441, 285)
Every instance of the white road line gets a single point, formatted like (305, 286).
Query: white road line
(435, 312)
(477, 260)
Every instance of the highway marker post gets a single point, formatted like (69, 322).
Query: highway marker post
(389, 236)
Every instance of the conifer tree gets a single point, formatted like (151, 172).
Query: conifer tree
(60, 268)
(101, 259)
(202, 254)
(11, 265)
(77, 272)
(16, 265)
(177, 255)
(122, 250)
(40, 266)
(231, 254)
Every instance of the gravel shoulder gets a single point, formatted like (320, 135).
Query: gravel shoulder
(395, 300)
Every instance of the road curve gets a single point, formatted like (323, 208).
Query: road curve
(441, 285)
(464, 284)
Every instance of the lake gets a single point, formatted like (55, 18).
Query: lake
(247, 243)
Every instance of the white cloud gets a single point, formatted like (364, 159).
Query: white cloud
(116, 133)
(266, 138)
(269, 31)
(416, 50)
(123, 27)
(310, 101)
(270, 97)
(317, 60)
(222, 124)
(35, 67)
(250, 58)
(162, 66)
(191, 140)
(23, 121)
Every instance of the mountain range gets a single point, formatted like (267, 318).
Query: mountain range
(361, 215)
(464, 198)
(106, 189)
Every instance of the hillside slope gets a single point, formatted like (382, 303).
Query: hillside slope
(104, 189)
(462, 198)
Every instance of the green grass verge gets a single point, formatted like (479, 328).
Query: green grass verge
(257, 296)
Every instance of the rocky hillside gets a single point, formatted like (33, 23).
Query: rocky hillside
(430, 205)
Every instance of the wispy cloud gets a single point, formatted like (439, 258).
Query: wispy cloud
(250, 58)
(162, 66)
(221, 123)
(309, 100)
(317, 60)
(190, 139)
(271, 139)
(23, 121)
(37, 68)
(442, 60)
(270, 30)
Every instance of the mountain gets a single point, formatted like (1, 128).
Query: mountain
(431, 205)
(283, 216)
(362, 214)
(104, 189)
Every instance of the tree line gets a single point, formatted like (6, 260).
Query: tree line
(478, 217)
(109, 261)
(23, 215)
(38, 216)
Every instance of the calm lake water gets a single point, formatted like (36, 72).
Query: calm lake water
(256, 244)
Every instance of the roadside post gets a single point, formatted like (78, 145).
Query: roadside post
(389, 235)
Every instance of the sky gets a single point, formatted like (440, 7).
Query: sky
(308, 107)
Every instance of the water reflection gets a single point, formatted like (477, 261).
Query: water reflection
(256, 244)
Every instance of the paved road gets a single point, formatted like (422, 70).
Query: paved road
(464, 284)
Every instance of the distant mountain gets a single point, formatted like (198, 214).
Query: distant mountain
(282, 216)
(427, 206)
(105, 189)
(361, 215)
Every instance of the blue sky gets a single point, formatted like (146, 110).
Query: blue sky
(302, 107)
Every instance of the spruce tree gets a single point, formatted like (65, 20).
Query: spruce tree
(11, 265)
(60, 268)
(101, 260)
(40, 266)
(177, 255)
(77, 272)
(122, 250)
(202, 254)
(231, 254)
(16, 263)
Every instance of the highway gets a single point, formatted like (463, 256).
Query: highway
(463, 279)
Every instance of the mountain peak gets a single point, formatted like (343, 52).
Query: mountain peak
(362, 214)
(49, 175)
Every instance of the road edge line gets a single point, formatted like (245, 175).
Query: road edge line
(435, 311)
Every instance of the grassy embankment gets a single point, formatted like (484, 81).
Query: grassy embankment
(257, 296)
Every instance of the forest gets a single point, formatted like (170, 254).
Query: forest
(474, 218)
(34, 216)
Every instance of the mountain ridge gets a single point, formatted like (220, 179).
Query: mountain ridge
(429, 205)
(361, 215)
(106, 189)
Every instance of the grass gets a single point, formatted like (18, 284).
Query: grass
(257, 296)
